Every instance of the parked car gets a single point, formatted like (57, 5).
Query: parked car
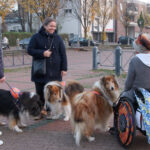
(24, 43)
(124, 40)
(82, 42)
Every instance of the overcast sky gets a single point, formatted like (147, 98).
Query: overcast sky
(148, 1)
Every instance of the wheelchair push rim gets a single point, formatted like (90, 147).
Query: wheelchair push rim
(124, 121)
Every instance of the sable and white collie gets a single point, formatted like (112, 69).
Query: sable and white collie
(92, 109)
(17, 110)
(58, 96)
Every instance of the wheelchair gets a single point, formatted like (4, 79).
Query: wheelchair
(125, 121)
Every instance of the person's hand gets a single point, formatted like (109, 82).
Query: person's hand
(47, 53)
(63, 73)
(2, 79)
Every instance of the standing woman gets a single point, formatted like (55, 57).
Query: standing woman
(47, 44)
(2, 79)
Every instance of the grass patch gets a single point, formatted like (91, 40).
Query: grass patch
(105, 70)
(123, 75)
(88, 76)
(17, 69)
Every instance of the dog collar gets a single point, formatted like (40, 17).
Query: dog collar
(97, 93)
(16, 94)
(63, 83)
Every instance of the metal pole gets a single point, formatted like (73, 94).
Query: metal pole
(95, 58)
(118, 60)
(0, 32)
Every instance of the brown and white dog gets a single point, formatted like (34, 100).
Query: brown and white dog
(58, 96)
(92, 109)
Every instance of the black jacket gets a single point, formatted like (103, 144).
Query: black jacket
(57, 62)
(1, 65)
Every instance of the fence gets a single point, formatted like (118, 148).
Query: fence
(16, 58)
(117, 59)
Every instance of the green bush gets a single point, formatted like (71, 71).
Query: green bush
(64, 36)
(12, 36)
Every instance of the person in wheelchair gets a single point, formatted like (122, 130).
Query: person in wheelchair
(133, 98)
(139, 69)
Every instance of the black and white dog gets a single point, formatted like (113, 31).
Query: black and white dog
(27, 104)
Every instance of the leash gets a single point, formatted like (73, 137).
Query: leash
(16, 102)
(8, 85)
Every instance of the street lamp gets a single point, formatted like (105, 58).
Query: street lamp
(140, 22)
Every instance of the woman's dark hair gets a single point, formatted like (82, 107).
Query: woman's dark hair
(48, 20)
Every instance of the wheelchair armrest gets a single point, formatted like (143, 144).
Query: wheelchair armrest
(139, 94)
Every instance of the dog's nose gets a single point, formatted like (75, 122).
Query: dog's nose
(59, 100)
(112, 88)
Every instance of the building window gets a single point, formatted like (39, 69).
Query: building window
(68, 11)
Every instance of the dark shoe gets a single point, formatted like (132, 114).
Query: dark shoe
(112, 131)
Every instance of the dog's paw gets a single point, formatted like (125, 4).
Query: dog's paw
(2, 123)
(90, 138)
(55, 117)
(66, 119)
(17, 129)
(1, 142)
(1, 133)
(107, 129)
(23, 125)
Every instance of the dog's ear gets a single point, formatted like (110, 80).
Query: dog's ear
(102, 80)
(49, 87)
(113, 75)
(116, 81)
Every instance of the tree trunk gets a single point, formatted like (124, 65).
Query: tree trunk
(21, 14)
(30, 22)
(103, 32)
(85, 32)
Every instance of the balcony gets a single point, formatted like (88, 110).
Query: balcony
(132, 12)
(148, 5)
(132, 24)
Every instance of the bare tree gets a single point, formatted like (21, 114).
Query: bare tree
(125, 12)
(105, 12)
(84, 11)
(42, 8)
(147, 19)
(30, 21)
(22, 16)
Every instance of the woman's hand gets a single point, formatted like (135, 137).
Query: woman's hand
(47, 53)
(63, 73)
(2, 79)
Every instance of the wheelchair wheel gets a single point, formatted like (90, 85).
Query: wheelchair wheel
(124, 121)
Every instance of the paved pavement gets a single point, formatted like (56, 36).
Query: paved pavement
(56, 135)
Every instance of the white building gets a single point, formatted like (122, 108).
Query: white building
(67, 21)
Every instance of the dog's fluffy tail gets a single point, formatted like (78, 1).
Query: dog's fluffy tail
(78, 133)
(82, 115)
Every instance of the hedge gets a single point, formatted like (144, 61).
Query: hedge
(12, 36)
(64, 36)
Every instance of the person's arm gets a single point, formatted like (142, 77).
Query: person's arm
(33, 50)
(63, 55)
(130, 77)
(2, 78)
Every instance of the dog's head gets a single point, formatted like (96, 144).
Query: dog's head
(110, 86)
(73, 88)
(31, 103)
(53, 93)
